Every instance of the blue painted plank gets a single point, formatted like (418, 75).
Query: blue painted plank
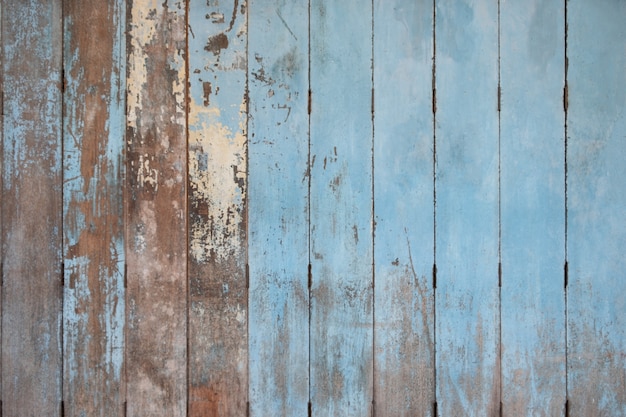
(218, 312)
(32, 209)
(278, 243)
(93, 213)
(341, 208)
(596, 197)
(156, 161)
(467, 296)
(533, 207)
(404, 378)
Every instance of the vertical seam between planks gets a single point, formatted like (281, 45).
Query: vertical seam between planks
(1, 201)
(565, 143)
(434, 277)
(310, 170)
(187, 205)
(373, 223)
(499, 359)
(62, 221)
(246, 199)
(125, 28)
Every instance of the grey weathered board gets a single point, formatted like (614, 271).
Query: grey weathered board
(268, 207)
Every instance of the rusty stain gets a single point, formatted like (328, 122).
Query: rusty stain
(216, 43)
(206, 92)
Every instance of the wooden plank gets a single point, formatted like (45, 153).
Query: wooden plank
(341, 208)
(404, 379)
(596, 233)
(532, 207)
(218, 314)
(32, 208)
(93, 215)
(278, 208)
(467, 296)
(157, 239)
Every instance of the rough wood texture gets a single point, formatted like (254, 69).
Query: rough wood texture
(32, 208)
(404, 378)
(341, 208)
(467, 302)
(93, 217)
(533, 208)
(596, 234)
(218, 313)
(156, 233)
(278, 208)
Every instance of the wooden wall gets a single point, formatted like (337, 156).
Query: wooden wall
(323, 208)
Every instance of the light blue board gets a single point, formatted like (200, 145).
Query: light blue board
(467, 297)
(278, 243)
(93, 212)
(341, 208)
(403, 202)
(31, 212)
(596, 197)
(532, 207)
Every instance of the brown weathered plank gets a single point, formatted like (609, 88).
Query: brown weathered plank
(31, 216)
(218, 314)
(156, 233)
(93, 126)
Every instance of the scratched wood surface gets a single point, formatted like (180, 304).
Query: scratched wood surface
(532, 207)
(218, 313)
(404, 378)
(596, 232)
(278, 244)
(93, 129)
(32, 209)
(156, 348)
(467, 297)
(341, 208)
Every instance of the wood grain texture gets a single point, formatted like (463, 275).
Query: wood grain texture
(32, 208)
(278, 208)
(404, 378)
(218, 314)
(341, 208)
(93, 216)
(467, 296)
(156, 233)
(533, 207)
(596, 233)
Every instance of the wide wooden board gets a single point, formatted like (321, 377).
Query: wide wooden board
(278, 208)
(218, 311)
(341, 208)
(533, 207)
(93, 217)
(156, 240)
(32, 208)
(404, 377)
(596, 197)
(467, 294)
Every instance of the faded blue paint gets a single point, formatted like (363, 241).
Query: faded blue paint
(341, 208)
(403, 204)
(467, 303)
(533, 207)
(31, 216)
(278, 243)
(596, 234)
(93, 206)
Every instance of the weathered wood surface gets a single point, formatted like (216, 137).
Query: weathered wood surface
(156, 348)
(341, 208)
(278, 243)
(218, 313)
(467, 296)
(93, 234)
(596, 233)
(404, 378)
(32, 208)
(532, 207)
